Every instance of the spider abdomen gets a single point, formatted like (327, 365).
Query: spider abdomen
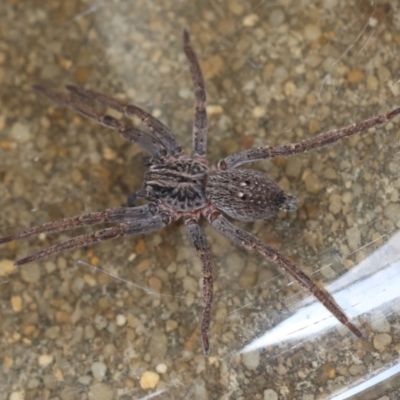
(246, 195)
(178, 184)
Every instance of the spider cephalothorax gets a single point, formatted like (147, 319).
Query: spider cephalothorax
(177, 186)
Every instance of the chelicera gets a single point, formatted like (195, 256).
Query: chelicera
(182, 187)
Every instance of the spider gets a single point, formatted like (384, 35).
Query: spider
(178, 186)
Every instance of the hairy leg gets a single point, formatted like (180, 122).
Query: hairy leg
(199, 242)
(200, 116)
(144, 140)
(316, 142)
(251, 242)
(118, 214)
(140, 227)
(164, 135)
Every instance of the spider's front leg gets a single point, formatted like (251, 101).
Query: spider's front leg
(316, 142)
(199, 242)
(251, 242)
(133, 135)
(200, 124)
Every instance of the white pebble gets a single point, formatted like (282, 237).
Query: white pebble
(251, 359)
(161, 368)
(121, 320)
(99, 370)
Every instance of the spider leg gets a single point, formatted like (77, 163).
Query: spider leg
(165, 136)
(316, 142)
(133, 135)
(200, 116)
(199, 242)
(118, 214)
(144, 226)
(251, 242)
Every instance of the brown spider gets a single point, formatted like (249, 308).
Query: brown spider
(179, 186)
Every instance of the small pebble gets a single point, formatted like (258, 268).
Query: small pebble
(250, 20)
(312, 32)
(85, 380)
(149, 380)
(99, 370)
(45, 359)
(353, 238)
(251, 359)
(293, 167)
(394, 87)
(213, 66)
(155, 283)
(89, 332)
(7, 267)
(140, 247)
(53, 332)
(101, 391)
(382, 341)
(289, 88)
(357, 369)
(190, 284)
(311, 181)
(330, 3)
(90, 280)
(143, 265)
(379, 322)
(214, 110)
(16, 303)
(20, 132)
(282, 370)
(373, 22)
(120, 320)
(270, 394)
(170, 325)
(259, 112)
(158, 346)
(276, 17)
(235, 7)
(335, 203)
(372, 82)
(17, 395)
(161, 368)
(32, 274)
(7, 364)
(355, 76)
(63, 317)
(100, 322)
(109, 154)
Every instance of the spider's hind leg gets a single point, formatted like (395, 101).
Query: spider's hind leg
(199, 242)
(251, 242)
